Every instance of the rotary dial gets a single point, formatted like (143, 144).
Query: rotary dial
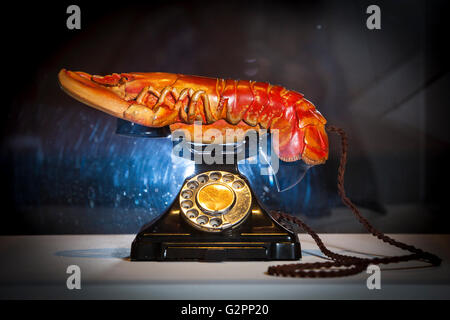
(215, 200)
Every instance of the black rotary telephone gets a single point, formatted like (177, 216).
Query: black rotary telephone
(217, 217)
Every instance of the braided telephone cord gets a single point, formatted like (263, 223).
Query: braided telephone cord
(343, 265)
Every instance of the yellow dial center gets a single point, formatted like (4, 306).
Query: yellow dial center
(215, 197)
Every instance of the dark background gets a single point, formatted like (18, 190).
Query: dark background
(64, 170)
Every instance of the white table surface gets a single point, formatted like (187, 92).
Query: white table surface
(34, 267)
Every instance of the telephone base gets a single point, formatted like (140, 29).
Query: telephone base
(216, 216)
(259, 238)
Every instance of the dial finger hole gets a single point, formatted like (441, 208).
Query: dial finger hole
(227, 178)
(203, 178)
(215, 176)
(187, 194)
(192, 185)
(238, 184)
(187, 204)
(191, 214)
(215, 222)
(202, 220)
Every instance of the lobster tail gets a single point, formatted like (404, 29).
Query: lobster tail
(298, 131)
(311, 124)
(287, 138)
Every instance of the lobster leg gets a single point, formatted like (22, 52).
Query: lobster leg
(192, 107)
(164, 92)
(145, 92)
(185, 93)
(165, 108)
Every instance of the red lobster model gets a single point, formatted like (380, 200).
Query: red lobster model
(159, 99)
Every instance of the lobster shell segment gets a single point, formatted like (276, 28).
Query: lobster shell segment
(159, 99)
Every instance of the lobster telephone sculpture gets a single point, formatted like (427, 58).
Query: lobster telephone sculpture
(216, 215)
